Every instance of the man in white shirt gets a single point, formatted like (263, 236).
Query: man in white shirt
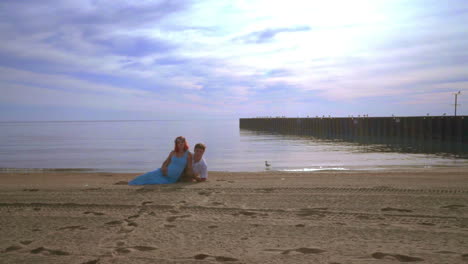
(199, 167)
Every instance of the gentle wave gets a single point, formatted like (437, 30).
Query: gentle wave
(316, 169)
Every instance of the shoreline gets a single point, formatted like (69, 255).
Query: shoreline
(392, 216)
(4, 170)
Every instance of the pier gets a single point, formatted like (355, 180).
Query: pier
(427, 133)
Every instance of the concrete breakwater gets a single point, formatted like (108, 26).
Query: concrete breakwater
(439, 133)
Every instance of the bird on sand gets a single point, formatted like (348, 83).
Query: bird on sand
(267, 164)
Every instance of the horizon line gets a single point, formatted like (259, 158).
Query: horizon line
(108, 120)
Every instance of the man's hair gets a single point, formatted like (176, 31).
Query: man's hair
(200, 146)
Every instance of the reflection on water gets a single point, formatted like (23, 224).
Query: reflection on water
(307, 153)
(447, 149)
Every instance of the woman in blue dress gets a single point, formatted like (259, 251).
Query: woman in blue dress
(172, 167)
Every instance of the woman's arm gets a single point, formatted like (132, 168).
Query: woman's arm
(166, 163)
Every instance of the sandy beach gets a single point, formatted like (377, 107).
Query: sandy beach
(411, 215)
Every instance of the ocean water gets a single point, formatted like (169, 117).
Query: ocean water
(138, 146)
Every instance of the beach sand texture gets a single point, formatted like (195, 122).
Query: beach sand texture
(418, 215)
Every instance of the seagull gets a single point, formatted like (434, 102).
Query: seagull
(267, 164)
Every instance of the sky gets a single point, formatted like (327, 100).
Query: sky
(224, 59)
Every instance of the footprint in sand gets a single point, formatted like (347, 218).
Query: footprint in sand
(94, 213)
(122, 250)
(453, 206)
(126, 250)
(212, 226)
(94, 261)
(427, 224)
(131, 223)
(144, 248)
(201, 256)
(401, 258)
(93, 189)
(73, 228)
(26, 242)
(133, 216)
(117, 222)
(121, 183)
(30, 190)
(173, 218)
(388, 209)
(222, 258)
(204, 193)
(170, 226)
(45, 251)
(303, 251)
(12, 248)
(145, 203)
(249, 213)
(217, 258)
(299, 250)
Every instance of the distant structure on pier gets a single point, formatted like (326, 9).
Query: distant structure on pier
(435, 133)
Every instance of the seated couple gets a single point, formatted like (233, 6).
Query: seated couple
(180, 161)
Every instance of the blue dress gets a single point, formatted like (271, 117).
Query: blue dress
(174, 170)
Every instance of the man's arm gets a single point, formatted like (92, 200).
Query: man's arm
(203, 175)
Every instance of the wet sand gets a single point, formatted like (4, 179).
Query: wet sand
(418, 215)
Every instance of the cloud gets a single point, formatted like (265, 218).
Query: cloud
(133, 46)
(65, 91)
(187, 83)
(62, 82)
(31, 17)
(85, 33)
(232, 57)
(278, 73)
(268, 35)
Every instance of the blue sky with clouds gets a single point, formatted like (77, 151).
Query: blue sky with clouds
(108, 60)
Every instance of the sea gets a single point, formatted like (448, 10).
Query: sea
(139, 146)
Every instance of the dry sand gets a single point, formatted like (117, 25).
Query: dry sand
(418, 215)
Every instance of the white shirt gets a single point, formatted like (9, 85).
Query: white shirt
(200, 168)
